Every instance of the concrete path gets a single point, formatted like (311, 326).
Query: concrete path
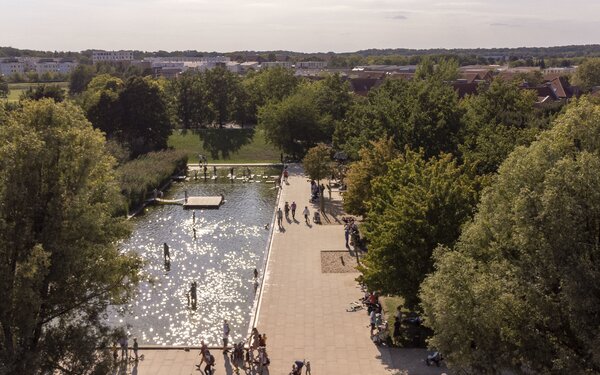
(303, 311)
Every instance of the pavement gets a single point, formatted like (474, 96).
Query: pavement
(303, 311)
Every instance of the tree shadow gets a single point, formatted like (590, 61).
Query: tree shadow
(221, 143)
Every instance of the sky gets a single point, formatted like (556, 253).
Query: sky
(295, 25)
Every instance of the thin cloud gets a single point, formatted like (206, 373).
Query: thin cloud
(399, 17)
(500, 24)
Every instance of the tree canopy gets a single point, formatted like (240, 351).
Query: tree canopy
(58, 241)
(587, 74)
(416, 205)
(520, 291)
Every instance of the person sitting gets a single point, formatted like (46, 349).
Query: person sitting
(317, 217)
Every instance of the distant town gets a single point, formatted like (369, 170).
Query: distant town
(548, 82)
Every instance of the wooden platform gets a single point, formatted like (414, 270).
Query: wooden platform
(203, 202)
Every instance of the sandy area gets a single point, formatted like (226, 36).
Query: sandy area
(340, 261)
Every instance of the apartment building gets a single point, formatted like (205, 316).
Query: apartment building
(111, 56)
(8, 67)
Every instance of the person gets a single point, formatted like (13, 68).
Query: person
(209, 359)
(166, 252)
(293, 207)
(306, 214)
(194, 229)
(136, 347)
(255, 273)
(231, 172)
(193, 294)
(124, 348)
(396, 330)
(214, 170)
(285, 175)
(193, 216)
(204, 170)
(307, 366)
(373, 319)
(280, 218)
(347, 233)
(115, 352)
(287, 210)
(226, 331)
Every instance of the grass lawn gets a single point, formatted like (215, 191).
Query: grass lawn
(16, 89)
(225, 146)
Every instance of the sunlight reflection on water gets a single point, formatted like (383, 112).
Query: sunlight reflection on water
(230, 242)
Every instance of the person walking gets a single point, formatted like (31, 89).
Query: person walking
(306, 213)
(293, 207)
(285, 175)
(286, 208)
(280, 218)
(166, 252)
(226, 331)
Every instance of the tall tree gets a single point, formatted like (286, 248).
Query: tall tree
(58, 242)
(191, 104)
(521, 289)
(418, 204)
(222, 87)
(101, 104)
(372, 163)
(587, 74)
(145, 124)
(496, 120)
(80, 77)
(272, 84)
(293, 124)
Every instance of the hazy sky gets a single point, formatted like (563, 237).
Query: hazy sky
(298, 25)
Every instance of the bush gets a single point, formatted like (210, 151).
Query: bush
(148, 172)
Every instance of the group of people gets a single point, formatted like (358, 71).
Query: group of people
(379, 327)
(123, 343)
(316, 190)
(351, 233)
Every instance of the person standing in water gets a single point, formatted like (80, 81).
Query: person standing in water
(166, 252)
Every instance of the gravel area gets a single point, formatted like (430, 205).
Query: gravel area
(340, 261)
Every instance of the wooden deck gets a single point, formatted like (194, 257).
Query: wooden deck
(203, 202)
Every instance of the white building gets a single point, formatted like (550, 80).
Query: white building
(9, 67)
(66, 67)
(273, 64)
(311, 65)
(560, 70)
(112, 56)
(248, 65)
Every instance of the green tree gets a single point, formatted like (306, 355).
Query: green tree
(372, 163)
(496, 120)
(587, 74)
(4, 90)
(53, 92)
(101, 104)
(58, 242)
(520, 291)
(222, 87)
(317, 164)
(191, 104)
(145, 124)
(80, 77)
(423, 113)
(294, 123)
(415, 206)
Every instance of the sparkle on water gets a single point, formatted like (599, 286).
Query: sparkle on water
(230, 242)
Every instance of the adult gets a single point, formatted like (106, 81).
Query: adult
(293, 207)
(226, 331)
(124, 348)
(193, 294)
(286, 207)
(166, 252)
(280, 218)
(347, 232)
(285, 175)
(397, 324)
(306, 213)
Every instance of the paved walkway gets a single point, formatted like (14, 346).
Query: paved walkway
(303, 311)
